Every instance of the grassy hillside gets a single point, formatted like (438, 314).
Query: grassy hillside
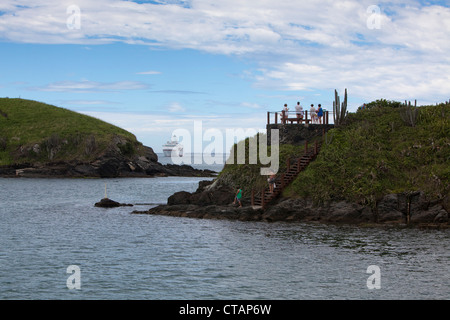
(377, 152)
(248, 176)
(32, 131)
(381, 149)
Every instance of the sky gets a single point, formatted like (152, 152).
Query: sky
(152, 67)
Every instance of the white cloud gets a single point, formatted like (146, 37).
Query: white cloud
(91, 86)
(251, 105)
(154, 129)
(176, 108)
(299, 45)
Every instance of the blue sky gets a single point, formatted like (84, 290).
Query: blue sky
(155, 66)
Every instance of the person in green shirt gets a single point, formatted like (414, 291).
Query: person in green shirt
(238, 197)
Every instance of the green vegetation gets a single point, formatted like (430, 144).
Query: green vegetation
(379, 151)
(248, 175)
(385, 148)
(32, 131)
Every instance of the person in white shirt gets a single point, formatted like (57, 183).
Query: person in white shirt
(286, 110)
(313, 113)
(299, 110)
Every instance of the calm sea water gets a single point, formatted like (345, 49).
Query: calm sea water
(48, 225)
(214, 162)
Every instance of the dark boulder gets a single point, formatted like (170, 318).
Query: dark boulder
(108, 203)
(182, 197)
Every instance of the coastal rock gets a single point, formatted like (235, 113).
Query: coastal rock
(348, 212)
(434, 214)
(396, 207)
(109, 165)
(220, 196)
(182, 197)
(291, 208)
(388, 209)
(229, 212)
(85, 170)
(214, 201)
(441, 217)
(446, 203)
(108, 203)
(335, 212)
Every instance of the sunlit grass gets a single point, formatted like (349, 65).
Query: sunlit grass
(25, 123)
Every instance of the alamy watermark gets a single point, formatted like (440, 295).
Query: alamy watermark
(374, 281)
(218, 142)
(374, 20)
(74, 280)
(73, 22)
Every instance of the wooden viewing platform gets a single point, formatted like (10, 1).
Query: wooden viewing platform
(293, 168)
(292, 117)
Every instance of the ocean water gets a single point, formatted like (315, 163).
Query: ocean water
(214, 162)
(50, 225)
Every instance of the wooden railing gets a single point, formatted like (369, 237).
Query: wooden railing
(293, 117)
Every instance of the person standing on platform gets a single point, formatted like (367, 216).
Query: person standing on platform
(285, 113)
(313, 113)
(299, 110)
(320, 113)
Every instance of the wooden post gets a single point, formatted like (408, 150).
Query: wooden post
(276, 117)
(306, 116)
(263, 193)
(268, 117)
(408, 211)
(283, 117)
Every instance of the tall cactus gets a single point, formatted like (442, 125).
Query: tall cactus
(339, 110)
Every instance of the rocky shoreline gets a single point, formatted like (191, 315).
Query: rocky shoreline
(216, 202)
(111, 165)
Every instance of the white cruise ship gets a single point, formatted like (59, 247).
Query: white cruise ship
(173, 148)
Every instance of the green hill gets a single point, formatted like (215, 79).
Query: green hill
(32, 131)
(383, 149)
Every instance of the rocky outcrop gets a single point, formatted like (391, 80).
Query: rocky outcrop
(391, 209)
(206, 195)
(111, 164)
(228, 212)
(211, 201)
(108, 203)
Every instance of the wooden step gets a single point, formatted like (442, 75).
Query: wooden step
(295, 167)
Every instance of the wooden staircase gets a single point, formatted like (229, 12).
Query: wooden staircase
(294, 167)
